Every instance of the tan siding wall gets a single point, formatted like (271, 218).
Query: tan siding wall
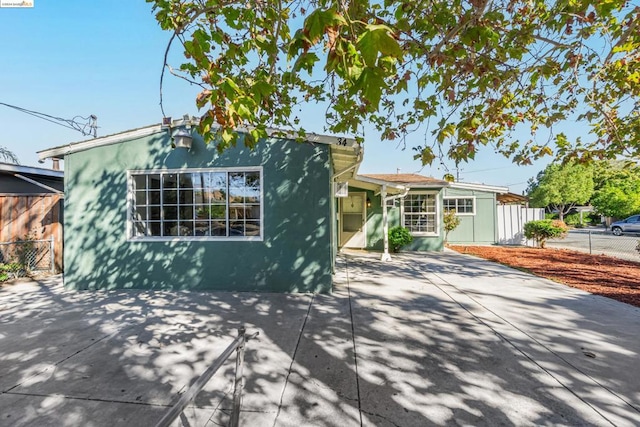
(36, 215)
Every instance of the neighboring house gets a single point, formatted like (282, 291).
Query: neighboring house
(416, 202)
(31, 205)
(141, 214)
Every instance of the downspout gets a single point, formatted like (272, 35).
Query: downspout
(385, 219)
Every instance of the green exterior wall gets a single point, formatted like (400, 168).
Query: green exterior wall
(374, 227)
(295, 254)
(473, 229)
(479, 228)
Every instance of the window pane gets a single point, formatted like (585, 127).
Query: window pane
(201, 197)
(185, 212)
(236, 228)
(141, 213)
(218, 211)
(170, 180)
(170, 212)
(139, 182)
(252, 228)
(170, 197)
(201, 228)
(185, 180)
(186, 228)
(202, 211)
(252, 212)
(141, 198)
(154, 228)
(185, 197)
(154, 181)
(154, 212)
(170, 228)
(154, 197)
(218, 228)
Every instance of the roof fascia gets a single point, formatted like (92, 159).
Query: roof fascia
(8, 167)
(479, 187)
(63, 150)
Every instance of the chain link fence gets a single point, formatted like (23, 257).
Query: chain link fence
(601, 242)
(24, 258)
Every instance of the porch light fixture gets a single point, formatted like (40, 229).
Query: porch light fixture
(182, 138)
(368, 202)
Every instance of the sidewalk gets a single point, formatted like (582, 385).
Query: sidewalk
(427, 339)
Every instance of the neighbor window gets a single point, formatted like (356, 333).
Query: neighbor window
(461, 205)
(420, 213)
(207, 203)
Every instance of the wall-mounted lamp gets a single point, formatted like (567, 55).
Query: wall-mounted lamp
(368, 202)
(182, 138)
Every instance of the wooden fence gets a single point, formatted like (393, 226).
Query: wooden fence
(37, 216)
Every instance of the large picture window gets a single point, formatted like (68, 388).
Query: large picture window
(208, 203)
(460, 205)
(420, 213)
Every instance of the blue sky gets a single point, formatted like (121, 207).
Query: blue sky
(76, 57)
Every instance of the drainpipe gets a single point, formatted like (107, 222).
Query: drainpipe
(385, 220)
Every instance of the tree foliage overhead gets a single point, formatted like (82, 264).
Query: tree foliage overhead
(466, 73)
(561, 187)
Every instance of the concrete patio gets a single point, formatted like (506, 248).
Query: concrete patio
(427, 339)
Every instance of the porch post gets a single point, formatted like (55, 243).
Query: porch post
(385, 224)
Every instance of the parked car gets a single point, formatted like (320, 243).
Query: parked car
(629, 225)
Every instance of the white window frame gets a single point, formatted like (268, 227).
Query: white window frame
(436, 213)
(473, 199)
(131, 204)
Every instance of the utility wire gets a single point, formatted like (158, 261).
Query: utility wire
(88, 128)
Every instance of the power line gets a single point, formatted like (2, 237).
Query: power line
(90, 127)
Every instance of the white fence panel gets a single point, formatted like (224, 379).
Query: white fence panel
(511, 221)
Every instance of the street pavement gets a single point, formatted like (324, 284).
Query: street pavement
(426, 339)
(598, 241)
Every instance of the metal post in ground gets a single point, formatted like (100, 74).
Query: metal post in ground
(590, 253)
(239, 380)
(53, 256)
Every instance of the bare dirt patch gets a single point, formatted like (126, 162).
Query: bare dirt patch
(598, 274)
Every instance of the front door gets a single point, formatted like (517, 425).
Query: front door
(352, 220)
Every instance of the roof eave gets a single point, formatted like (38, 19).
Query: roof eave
(8, 167)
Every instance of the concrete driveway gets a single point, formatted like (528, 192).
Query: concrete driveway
(429, 339)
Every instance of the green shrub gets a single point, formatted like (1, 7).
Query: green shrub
(398, 237)
(545, 229)
(551, 216)
(572, 219)
(7, 270)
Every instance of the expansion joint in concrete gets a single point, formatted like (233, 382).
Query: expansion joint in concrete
(293, 359)
(353, 338)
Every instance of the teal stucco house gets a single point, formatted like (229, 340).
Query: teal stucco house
(151, 208)
(157, 208)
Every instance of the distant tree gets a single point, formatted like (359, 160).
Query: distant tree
(617, 191)
(8, 156)
(561, 187)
